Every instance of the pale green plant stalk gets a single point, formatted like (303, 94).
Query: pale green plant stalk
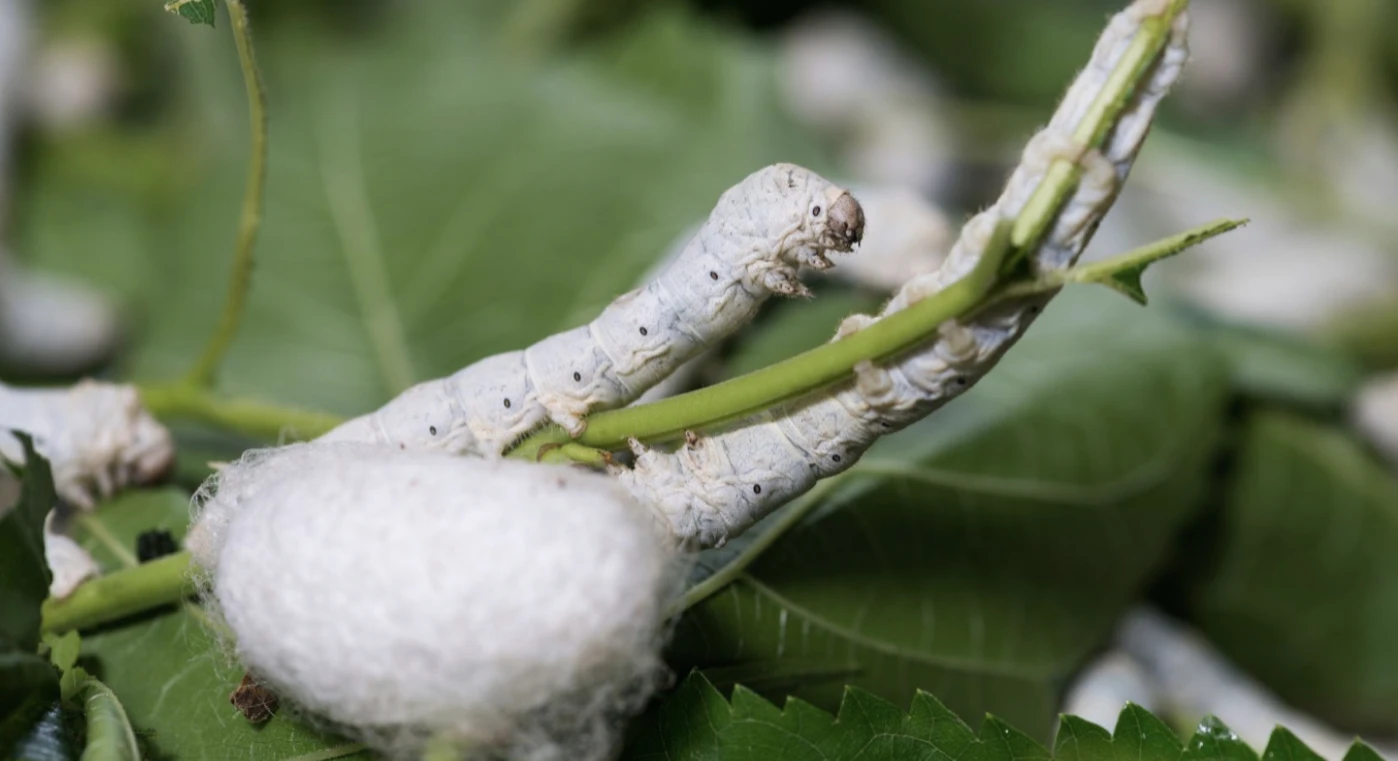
(205, 369)
(898, 333)
(168, 580)
(986, 284)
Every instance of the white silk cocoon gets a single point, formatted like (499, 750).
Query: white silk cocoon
(514, 609)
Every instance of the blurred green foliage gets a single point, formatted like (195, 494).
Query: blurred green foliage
(506, 191)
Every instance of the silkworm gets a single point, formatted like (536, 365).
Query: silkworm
(755, 242)
(905, 236)
(96, 436)
(714, 487)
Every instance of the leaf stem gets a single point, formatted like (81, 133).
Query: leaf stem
(1063, 175)
(250, 221)
(246, 416)
(790, 378)
(894, 334)
(163, 581)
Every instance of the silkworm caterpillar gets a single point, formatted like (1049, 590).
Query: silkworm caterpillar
(754, 243)
(96, 436)
(714, 487)
(905, 236)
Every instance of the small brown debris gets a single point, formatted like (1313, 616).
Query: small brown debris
(255, 702)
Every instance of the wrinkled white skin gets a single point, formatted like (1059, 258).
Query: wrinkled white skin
(843, 75)
(96, 436)
(1375, 414)
(905, 236)
(402, 595)
(98, 439)
(1193, 680)
(68, 562)
(761, 233)
(715, 487)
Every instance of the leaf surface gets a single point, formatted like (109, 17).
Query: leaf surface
(1296, 580)
(694, 722)
(982, 554)
(22, 564)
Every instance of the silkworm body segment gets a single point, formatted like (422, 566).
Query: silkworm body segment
(760, 234)
(713, 488)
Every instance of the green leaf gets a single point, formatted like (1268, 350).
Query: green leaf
(1285, 746)
(109, 733)
(694, 723)
(984, 553)
(63, 654)
(23, 676)
(1296, 578)
(168, 666)
(500, 200)
(194, 11)
(1214, 740)
(1278, 367)
(1123, 273)
(22, 564)
(423, 178)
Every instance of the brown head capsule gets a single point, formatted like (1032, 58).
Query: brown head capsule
(845, 220)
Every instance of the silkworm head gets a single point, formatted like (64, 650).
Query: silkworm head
(844, 219)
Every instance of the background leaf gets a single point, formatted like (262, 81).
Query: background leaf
(194, 11)
(169, 668)
(493, 200)
(983, 553)
(1295, 579)
(423, 180)
(22, 563)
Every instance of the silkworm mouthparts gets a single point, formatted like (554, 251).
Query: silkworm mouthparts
(845, 221)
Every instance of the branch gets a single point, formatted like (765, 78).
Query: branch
(120, 594)
(205, 368)
(896, 333)
(182, 401)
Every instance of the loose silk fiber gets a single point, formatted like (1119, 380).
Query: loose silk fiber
(512, 609)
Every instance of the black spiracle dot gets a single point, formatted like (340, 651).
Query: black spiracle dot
(757, 488)
(960, 381)
(713, 275)
(507, 404)
(577, 376)
(432, 429)
(835, 457)
(1034, 310)
(645, 332)
(815, 212)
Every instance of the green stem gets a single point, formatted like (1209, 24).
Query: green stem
(168, 585)
(790, 378)
(239, 283)
(250, 417)
(1062, 176)
(160, 582)
(835, 361)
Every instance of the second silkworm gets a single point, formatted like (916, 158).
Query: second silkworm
(759, 236)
